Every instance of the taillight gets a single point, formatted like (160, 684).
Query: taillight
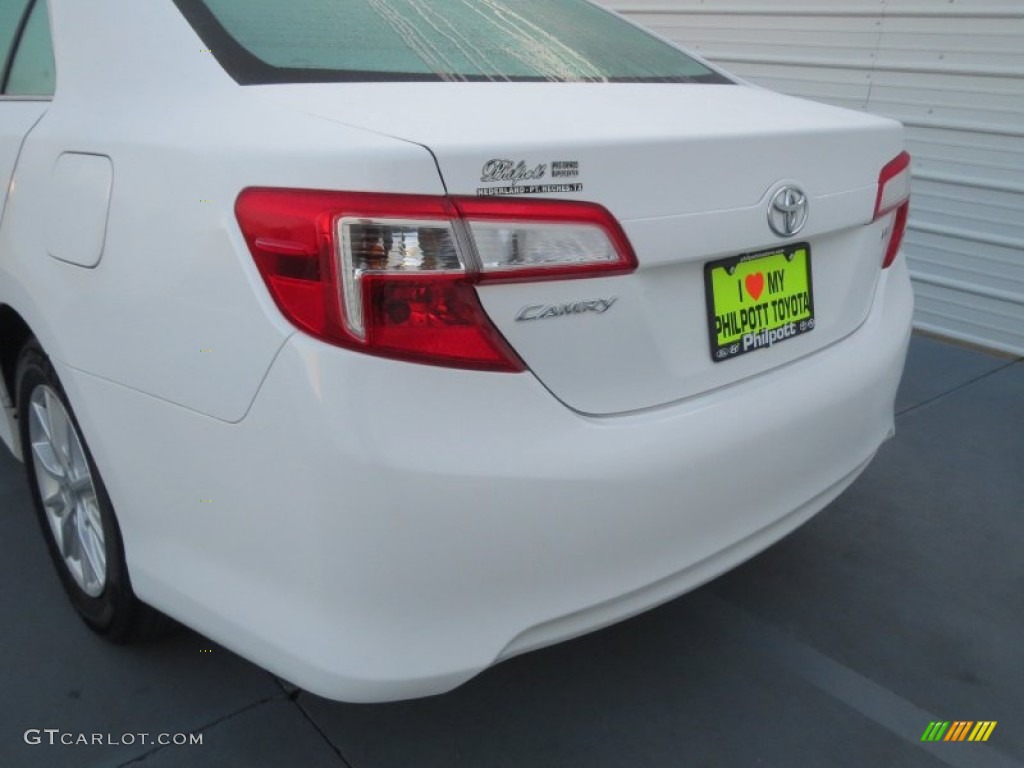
(396, 275)
(894, 196)
(528, 240)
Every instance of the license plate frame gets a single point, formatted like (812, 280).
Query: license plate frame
(748, 304)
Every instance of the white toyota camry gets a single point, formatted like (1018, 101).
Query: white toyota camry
(382, 340)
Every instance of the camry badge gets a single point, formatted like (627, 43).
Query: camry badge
(546, 311)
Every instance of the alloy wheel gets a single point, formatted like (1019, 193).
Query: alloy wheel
(67, 490)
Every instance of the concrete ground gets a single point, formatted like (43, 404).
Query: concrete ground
(901, 603)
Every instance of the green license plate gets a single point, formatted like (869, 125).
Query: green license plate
(757, 300)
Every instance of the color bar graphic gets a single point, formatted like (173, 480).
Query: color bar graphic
(982, 730)
(958, 730)
(935, 731)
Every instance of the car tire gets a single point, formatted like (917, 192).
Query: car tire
(73, 508)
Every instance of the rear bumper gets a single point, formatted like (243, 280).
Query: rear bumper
(373, 530)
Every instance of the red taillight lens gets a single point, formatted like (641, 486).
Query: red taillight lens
(894, 198)
(395, 275)
(437, 319)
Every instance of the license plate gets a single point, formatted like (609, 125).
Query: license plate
(757, 300)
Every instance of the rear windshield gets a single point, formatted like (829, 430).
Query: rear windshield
(296, 41)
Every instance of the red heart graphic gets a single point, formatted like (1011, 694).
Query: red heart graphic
(755, 285)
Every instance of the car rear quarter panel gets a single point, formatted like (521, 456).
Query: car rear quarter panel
(175, 307)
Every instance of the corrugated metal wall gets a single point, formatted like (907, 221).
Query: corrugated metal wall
(953, 72)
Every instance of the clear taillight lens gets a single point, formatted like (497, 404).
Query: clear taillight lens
(528, 239)
(395, 275)
(894, 198)
(383, 246)
(510, 247)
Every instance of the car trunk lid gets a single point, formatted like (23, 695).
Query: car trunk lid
(691, 172)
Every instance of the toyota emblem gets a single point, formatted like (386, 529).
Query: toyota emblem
(787, 211)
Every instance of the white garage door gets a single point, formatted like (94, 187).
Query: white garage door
(953, 72)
